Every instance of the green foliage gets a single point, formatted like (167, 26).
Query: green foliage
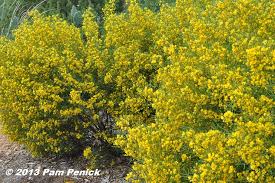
(155, 5)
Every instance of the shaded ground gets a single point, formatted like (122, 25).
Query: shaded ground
(14, 156)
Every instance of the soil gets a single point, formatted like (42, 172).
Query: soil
(14, 156)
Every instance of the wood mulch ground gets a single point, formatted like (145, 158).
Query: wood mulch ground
(14, 156)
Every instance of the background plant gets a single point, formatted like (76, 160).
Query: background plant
(12, 12)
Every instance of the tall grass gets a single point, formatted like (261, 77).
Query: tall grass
(13, 12)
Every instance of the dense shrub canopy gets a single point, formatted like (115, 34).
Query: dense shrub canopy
(215, 105)
(189, 86)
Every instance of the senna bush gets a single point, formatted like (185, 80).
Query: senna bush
(54, 79)
(50, 96)
(189, 87)
(215, 102)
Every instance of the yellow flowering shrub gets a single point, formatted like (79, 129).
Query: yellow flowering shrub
(190, 88)
(215, 103)
(50, 96)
